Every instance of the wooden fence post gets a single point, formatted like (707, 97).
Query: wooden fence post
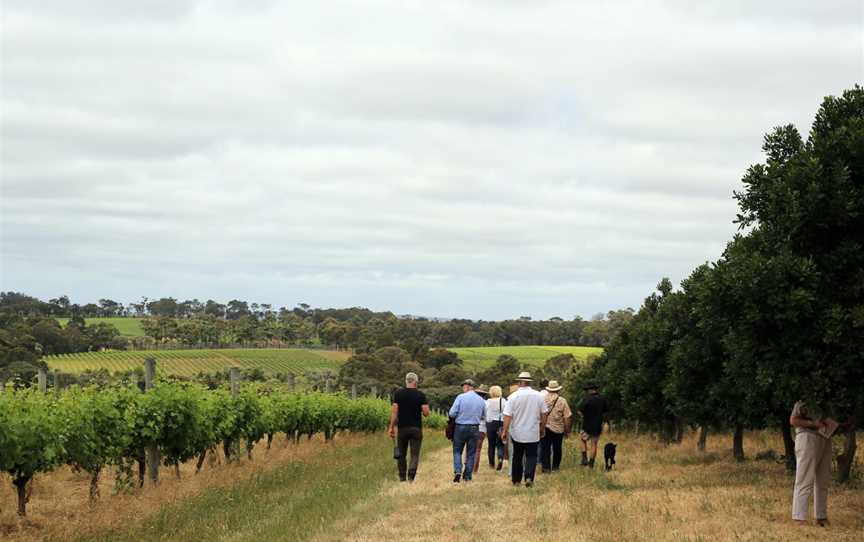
(353, 391)
(57, 382)
(234, 374)
(43, 380)
(327, 385)
(291, 381)
(152, 451)
(374, 391)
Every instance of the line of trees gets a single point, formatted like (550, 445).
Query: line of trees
(778, 318)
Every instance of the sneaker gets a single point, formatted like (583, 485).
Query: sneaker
(584, 459)
(822, 522)
(591, 463)
(457, 478)
(529, 483)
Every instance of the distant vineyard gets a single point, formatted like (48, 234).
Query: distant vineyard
(128, 327)
(192, 362)
(483, 357)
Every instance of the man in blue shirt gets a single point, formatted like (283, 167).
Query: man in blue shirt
(469, 410)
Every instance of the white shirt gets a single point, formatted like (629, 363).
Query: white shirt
(495, 409)
(526, 407)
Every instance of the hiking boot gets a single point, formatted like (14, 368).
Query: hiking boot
(411, 476)
(500, 464)
(529, 483)
(591, 463)
(584, 458)
(457, 478)
(823, 522)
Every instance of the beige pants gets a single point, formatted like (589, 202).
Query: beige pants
(812, 475)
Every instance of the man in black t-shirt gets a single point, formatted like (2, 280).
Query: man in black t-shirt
(592, 409)
(409, 407)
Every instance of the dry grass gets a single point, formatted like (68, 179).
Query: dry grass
(59, 510)
(655, 493)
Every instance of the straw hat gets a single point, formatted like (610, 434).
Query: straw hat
(554, 386)
(524, 376)
(482, 390)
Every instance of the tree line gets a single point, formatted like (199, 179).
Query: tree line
(778, 318)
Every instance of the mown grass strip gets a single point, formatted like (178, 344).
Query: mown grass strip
(293, 502)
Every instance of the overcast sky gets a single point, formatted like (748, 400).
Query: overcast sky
(484, 159)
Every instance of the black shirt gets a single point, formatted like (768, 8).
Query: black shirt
(592, 408)
(410, 400)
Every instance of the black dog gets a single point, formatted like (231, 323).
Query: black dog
(609, 454)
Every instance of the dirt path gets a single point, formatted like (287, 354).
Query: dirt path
(434, 508)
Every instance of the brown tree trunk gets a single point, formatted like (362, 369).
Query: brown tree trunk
(200, 463)
(142, 469)
(738, 443)
(21, 490)
(847, 458)
(177, 470)
(679, 429)
(94, 485)
(703, 438)
(788, 445)
(269, 440)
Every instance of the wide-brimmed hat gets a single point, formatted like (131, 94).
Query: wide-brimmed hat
(524, 376)
(468, 381)
(554, 386)
(482, 390)
(590, 386)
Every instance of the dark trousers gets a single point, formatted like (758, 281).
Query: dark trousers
(550, 451)
(528, 450)
(495, 442)
(406, 436)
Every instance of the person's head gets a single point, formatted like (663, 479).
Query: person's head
(544, 383)
(411, 380)
(524, 379)
(591, 388)
(467, 385)
(482, 391)
(553, 386)
(495, 392)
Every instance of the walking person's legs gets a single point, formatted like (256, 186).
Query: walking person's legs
(822, 480)
(516, 461)
(471, 443)
(402, 437)
(416, 442)
(805, 474)
(584, 438)
(531, 462)
(458, 446)
(546, 451)
(479, 451)
(556, 442)
(593, 440)
(493, 438)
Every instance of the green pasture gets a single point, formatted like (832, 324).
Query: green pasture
(483, 357)
(128, 327)
(192, 362)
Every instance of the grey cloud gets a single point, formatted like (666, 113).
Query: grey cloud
(455, 159)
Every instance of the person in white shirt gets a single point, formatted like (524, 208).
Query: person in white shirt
(525, 424)
(494, 424)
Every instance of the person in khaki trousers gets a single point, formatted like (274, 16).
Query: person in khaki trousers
(813, 463)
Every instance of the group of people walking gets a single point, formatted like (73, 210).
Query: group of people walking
(527, 426)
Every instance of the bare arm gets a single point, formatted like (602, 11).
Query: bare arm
(425, 410)
(394, 415)
(507, 420)
(543, 423)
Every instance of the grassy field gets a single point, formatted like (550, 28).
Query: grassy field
(192, 362)
(346, 490)
(483, 357)
(128, 327)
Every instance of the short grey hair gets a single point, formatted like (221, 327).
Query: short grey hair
(411, 378)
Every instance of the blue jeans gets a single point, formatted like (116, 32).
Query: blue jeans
(465, 435)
